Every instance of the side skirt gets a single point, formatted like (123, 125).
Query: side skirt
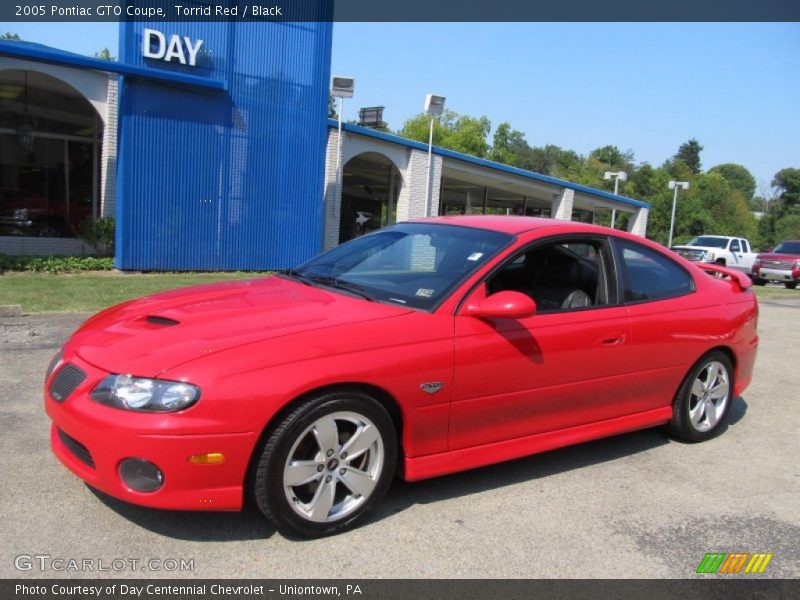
(423, 467)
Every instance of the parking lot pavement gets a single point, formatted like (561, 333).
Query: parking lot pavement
(638, 505)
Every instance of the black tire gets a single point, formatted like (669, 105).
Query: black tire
(681, 425)
(721, 262)
(758, 281)
(790, 286)
(267, 480)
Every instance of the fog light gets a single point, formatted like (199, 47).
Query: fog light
(141, 475)
(209, 458)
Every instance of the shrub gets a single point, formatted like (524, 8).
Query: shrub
(99, 234)
(55, 264)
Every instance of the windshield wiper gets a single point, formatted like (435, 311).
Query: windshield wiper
(348, 286)
(297, 275)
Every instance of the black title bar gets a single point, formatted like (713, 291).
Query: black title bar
(399, 10)
(733, 588)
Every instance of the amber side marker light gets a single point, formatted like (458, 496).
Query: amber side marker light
(209, 458)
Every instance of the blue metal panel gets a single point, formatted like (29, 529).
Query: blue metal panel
(396, 139)
(211, 180)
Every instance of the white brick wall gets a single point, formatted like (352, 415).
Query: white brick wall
(332, 193)
(108, 159)
(411, 203)
(562, 204)
(637, 224)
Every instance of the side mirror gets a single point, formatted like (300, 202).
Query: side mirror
(502, 305)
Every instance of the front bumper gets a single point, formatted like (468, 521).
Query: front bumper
(108, 436)
(785, 275)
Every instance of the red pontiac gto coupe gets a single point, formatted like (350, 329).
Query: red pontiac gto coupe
(421, 349)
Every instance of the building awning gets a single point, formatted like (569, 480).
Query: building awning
(41, 53)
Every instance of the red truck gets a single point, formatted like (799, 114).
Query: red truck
(782, 265)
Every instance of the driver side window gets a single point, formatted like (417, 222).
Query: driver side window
(562, 275)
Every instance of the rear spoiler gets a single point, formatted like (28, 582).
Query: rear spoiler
(737, 277)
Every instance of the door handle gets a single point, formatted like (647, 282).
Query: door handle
(613, 340)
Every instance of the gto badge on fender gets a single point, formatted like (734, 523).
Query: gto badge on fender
(432, 387)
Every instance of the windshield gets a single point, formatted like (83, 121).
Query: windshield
(411, 264)
(788, 248)
(709, 242)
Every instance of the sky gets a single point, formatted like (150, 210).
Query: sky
(645, 87)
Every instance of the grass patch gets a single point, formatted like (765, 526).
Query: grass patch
(775, 291)
(94, 291)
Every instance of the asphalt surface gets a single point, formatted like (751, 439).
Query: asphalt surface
(637, 505)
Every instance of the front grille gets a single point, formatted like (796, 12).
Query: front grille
(65, 382)
(80, 451)
(778, 264)
(692, 254)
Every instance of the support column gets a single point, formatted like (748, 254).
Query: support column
(412, 201)
(637, 224)
(561, 207)
(333, 192)
(108, 158)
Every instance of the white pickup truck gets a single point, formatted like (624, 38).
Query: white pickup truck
(732, 252)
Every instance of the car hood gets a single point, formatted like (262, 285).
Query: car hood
(778, 256)
(152, 334)
(697, 248)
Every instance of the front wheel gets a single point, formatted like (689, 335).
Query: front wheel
(700, 409)
(790, 286)
(326, 464)
(759, 281)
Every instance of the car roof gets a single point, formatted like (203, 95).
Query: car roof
(506, 223)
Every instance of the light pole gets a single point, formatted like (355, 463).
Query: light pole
(341, 87)
(617, 176)
(675, 185)
(434, 106)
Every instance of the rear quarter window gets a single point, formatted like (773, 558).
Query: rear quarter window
(648, 275)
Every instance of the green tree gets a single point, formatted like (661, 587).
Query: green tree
(105, 54)
(739, 178)
(689, 154)
(509, 146)
(787, 228)
(554, 161)
(332, 114)
(452, 130)
(691, 216)
(643, 182)
(614, 158)
(727, 206)
(788, 183)
(9, 36)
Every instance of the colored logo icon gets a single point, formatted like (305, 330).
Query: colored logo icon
(734, 563)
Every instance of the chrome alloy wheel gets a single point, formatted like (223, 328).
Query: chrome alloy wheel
(333, 467)
(709, 396)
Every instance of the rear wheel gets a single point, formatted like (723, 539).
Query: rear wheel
(759, 281)
(790, 286)
(701, 406)
(326, 464)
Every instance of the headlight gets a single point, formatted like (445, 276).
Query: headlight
(145, 395)
(709, 256)
(55, 363)
(21, 214)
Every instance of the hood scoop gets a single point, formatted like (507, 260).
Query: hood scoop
(161, 321)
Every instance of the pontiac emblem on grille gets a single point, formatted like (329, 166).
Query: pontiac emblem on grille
(432, 387)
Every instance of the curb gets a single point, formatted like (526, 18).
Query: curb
(10, 310)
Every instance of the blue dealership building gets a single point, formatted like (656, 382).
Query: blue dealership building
(210, 145)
